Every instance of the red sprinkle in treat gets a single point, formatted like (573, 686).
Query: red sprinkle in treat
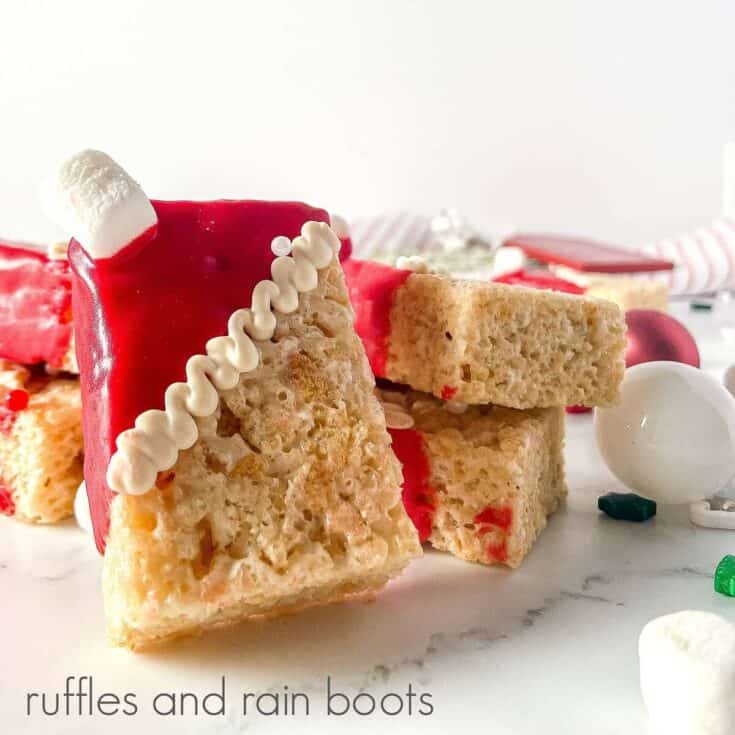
(16, 400)
(448, 392)
(498, 552)
(7, 506)
(578, 409)
(541, 280)
(495, 520)
(418, 495)
(501, 517)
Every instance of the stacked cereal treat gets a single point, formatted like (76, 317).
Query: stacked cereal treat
(264, 483)
(482, 443)
(40, 404)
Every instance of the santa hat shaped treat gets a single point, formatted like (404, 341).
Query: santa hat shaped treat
(237, 460)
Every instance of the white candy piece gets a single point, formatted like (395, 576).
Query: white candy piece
(687, 667)
(672, 437)
(81, 510)
(97, 203)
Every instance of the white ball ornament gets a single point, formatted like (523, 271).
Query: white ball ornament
(672, 437)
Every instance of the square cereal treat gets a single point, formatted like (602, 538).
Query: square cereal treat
(479, 481)
(263, 484)
(481, 343)
(40, 444)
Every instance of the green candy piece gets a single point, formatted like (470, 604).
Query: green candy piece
(725, 576)
(627, 507)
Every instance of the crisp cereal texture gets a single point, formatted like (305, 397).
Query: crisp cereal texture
(41, 447)
(290, 497)
(482, 343)
(490, 457)
(69, 361)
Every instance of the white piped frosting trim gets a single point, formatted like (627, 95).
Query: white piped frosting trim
(153, 445)
(98, 203)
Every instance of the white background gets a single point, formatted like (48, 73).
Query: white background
(604, 118)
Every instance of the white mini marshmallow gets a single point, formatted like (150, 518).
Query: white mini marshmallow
(81, 510)
(687, 662)
(97, 203)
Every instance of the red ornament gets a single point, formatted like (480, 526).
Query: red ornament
(654, 335)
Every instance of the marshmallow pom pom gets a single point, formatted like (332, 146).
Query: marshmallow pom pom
(97, 203)
(687, 665)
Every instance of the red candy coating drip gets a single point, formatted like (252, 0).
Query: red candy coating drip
(418, 495)
(35, 306)
(539, 279)
(494, 520)
(7, 506)
(140, 315)
(372, 287)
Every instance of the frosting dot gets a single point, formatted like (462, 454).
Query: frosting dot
(281, 245)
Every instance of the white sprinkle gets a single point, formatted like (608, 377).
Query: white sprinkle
(281, 245)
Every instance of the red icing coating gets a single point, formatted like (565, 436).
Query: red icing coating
(35, 306)
(448, 392)
(372, 287)
(7, 506)
(418, 495)
(539, 279)
(494, 520)
(140, 315)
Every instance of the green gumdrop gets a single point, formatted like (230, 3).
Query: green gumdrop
(725, 576)
(627, 507)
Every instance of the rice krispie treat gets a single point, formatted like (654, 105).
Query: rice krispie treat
(263, 484)
(484, 343)
(479, 481)
(40, 444)
(35, 307)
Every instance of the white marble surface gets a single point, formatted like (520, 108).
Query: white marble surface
(549, 648)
